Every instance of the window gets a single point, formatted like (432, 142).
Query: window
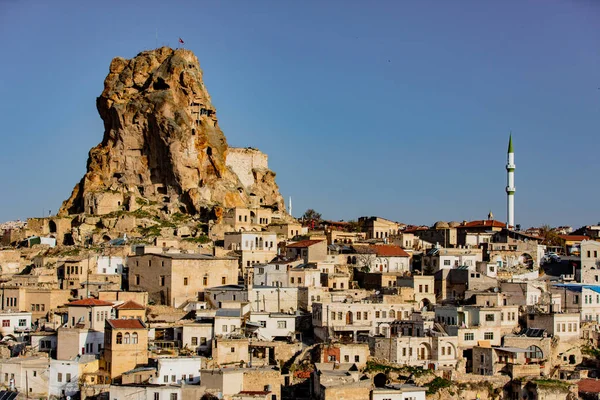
(59, 378)
(365, 315)
(205, 281)
(377, 314)
(488, 335)
(358, 315)
(195, 341)
(446, 262)
(426, 288)
(232, 350)
(134, 338)
(119, 338)
(443, 351)
(331, 358)
(420, 288)
(22, 322)
(384, 314)
(333, 315)
(489, 317)
(162, 280)
(202, 341)
(346, 358)
(156, 396)
(356, 358)
(166, 378)
(5, 322)
(340, 315)
(292, 279)
(469, 336)
(224, 328)
(173, 378)
(404, 352)
(281, 324)
(68, 377)
(534, 352)
(127, 338)
(185, 281)
(223, 280)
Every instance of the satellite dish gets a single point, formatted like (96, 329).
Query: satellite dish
(68, 397)
(377, 292)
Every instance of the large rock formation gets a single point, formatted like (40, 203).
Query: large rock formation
(163, 147)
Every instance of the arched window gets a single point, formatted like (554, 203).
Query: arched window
(119, 338)
(134, 338)
(534, 352)
(392, 314)
(127, 338)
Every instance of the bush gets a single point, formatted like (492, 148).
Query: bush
(198, 239)
(436, 384)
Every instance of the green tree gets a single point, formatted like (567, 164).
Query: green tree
(311, 216)
(549, 236)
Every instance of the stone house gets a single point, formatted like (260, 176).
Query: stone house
(399, 392)
(15, 322)
(423, 289)
(269, 326)
(438, 258)
(130, 310)
(581, 298)
(351, 319)
(89, 314)
(198, 336)
(590, 262)
(513, 361)
(308, 250)
(252, 247)
(288, 230)
(416, 347)
(39, 301)
(389, 258)
(24, 373)
(172, 279)
(357, 353)
(564, 325)
(273, 299)
(248, 219)
(125, 346)
(378, 228)
(73, 342)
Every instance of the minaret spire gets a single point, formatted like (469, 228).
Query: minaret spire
(510, 185)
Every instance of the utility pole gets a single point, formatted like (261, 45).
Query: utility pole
(26, 384)
(257, 301)
(278, 299)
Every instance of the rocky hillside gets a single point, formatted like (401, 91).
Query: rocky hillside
(162, 145)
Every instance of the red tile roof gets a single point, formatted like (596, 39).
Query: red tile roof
(303, 243)
(482, 223)
(90, 302)
(130, 305)
(573, 238)
(126, 323)
(589, 386)
(389, 251)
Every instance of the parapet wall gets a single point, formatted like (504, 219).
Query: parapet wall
(244, 160)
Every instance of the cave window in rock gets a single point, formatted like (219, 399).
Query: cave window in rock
(209, 151)
(193, 132)
(106, 238)
(52, 227)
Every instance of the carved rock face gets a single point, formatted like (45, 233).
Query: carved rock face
(162, 144)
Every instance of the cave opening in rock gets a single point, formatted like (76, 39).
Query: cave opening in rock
(160, 84)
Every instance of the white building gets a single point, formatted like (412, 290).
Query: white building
(272, 325)
(14, 321)
(24, 373)
(590, 262)
(64, 378)
(399, 392)
(198, 336)
(109, 265)
(179, 370)
(441, 258)
(228, 321)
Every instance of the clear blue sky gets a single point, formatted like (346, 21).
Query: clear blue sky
(400, 109)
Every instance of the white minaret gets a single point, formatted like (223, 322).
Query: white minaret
(290, 206)
(510, 186)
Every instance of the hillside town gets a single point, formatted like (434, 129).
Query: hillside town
(176, 271)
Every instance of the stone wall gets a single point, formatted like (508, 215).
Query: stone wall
(243, 161)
